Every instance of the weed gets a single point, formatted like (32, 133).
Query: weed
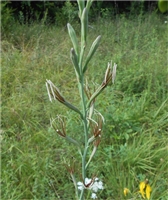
(134, 140)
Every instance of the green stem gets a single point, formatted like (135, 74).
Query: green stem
(84, 119)
(75, 184)
(81, 195)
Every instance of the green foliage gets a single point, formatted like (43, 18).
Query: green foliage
(134, 140)
(61, 12)
(163, 6)
(139, 158)
(6, 17)
(136, 7)
(70, 12)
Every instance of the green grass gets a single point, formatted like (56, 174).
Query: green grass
(134, 140)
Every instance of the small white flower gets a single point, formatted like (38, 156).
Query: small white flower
(81, 186)
(165, 22)
(96, 179)
(87, 181)
(97, 185)
(94, 196)
(90, 185)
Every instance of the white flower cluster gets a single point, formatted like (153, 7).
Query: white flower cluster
(93, 185)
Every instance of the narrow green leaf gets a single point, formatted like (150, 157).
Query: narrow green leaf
(93, 49)
(74, 59)
(84, 26)
(89, 3)
(81, 5)
(73, 37)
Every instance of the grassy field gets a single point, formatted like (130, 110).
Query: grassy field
(134, 141)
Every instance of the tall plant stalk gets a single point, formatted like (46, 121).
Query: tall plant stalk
(92, 120)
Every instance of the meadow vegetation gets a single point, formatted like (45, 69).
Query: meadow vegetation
(134, 140)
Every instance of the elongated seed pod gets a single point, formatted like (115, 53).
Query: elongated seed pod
(73, 37)
(92, 50)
